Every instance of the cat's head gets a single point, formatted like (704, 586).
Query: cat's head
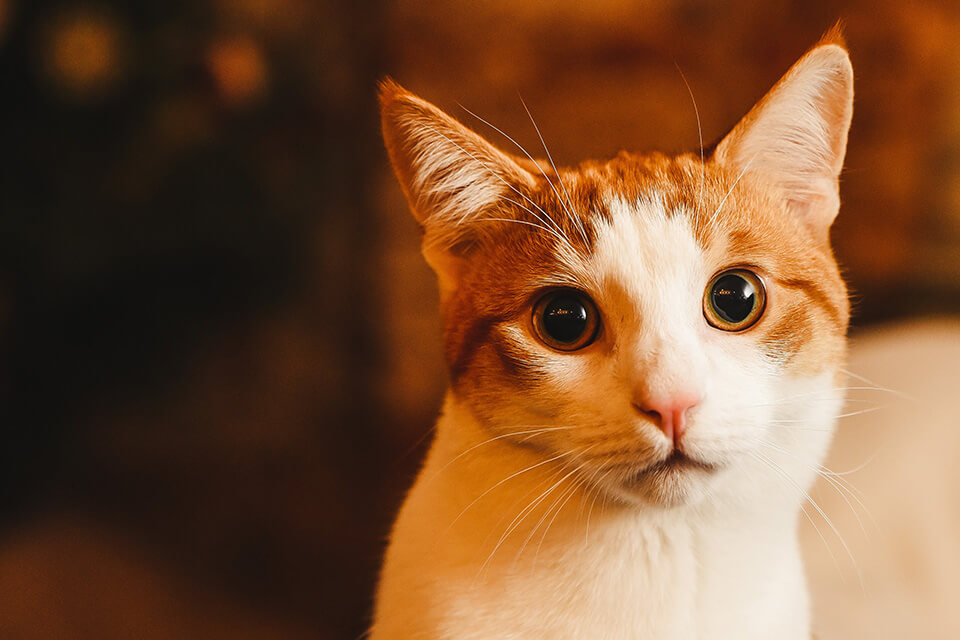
(655, 321)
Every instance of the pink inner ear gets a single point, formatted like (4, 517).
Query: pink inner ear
(817, 209)
(796, 135)
(449, 174)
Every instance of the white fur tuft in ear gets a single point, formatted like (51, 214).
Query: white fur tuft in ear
(796, 136)
(454, 179)
(450, 175)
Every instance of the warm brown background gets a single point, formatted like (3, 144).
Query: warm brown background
(219, 343)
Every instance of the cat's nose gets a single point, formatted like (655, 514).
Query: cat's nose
(669, 413)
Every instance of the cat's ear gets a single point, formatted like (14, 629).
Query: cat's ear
(451, 176)
(796, 136)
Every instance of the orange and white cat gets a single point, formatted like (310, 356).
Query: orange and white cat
(644, 355)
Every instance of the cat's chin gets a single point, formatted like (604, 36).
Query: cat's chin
(675, 481)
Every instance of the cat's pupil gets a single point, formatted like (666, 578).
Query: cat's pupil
(733, 298)
(565, 319)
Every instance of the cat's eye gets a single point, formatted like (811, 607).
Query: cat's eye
(566, 320)
(734, 300)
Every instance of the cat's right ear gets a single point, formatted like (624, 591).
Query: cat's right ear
(451, 176)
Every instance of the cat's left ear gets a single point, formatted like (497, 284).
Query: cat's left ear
(796, 136)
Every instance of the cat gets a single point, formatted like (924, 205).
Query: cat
(644, 358)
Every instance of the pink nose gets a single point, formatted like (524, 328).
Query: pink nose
(669, 413)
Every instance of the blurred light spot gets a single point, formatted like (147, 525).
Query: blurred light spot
(83, 54)
(239, 70)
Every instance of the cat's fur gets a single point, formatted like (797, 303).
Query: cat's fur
(533, 516)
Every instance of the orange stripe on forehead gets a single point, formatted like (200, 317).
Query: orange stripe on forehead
(745, 242)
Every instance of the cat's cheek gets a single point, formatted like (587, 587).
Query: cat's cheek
(805, 402)
(515, 382)
(737, 404)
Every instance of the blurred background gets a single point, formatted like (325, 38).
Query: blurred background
(219, 350)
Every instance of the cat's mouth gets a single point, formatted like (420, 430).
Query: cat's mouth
(676, 462)
(669, 480)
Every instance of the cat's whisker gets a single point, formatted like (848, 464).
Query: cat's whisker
(876, 387)
(591, 486)
(576, 468)
(559, 230)
(526, 432)
(578, 486)
(572, 217)
(703, 168)
(555, 508)
(518, 520)
(803, 509)
(581, 483)
(554, 228)
(593, 502)
(827, 394)
(416, 444)
(546, 430)
(847, 486)
(842, 415)
(832, 390)
(842, 487)
(509, 477)
(734, 186)
(846, 492)
(786, 476)
(524, 222)
(501, 179)
(790, 427)
(881, 389)
(550, 226)
(551, 476)
(821, 469)
(527, 502)
(857, 468)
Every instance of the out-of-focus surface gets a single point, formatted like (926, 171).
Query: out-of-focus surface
(896, 504)
(219, 351)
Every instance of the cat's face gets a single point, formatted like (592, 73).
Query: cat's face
(654, 322)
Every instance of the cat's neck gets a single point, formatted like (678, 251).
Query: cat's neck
(500, 528)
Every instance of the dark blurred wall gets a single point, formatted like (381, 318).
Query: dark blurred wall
(220, 356)
(188, 337)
